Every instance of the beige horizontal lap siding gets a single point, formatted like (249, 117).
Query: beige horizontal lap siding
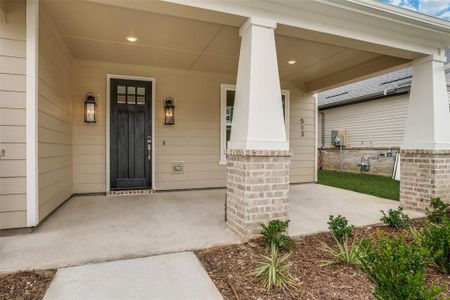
(376, 123)
(12, 117)
(195, 137)
(301, 138)
(55, 127)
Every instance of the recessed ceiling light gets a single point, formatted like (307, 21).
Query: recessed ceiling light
(131, 39)
(291, 62)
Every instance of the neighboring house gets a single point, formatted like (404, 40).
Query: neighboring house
(106, 96)
(373, 114)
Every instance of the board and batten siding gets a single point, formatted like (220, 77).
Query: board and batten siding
(13, 117)
(55, 159)
(195, 137)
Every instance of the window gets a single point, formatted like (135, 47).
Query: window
(227, 95)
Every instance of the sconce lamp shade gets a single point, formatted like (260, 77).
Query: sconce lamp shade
(169, 108)
(90, 104)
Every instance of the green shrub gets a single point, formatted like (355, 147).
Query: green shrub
(275, 233)
(274, 271)
(344, 254)
(437, 213)
(340, 227)
(395, 218)
(437, 239)
(396, 267)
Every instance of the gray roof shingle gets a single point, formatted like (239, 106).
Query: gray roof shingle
(372, 88)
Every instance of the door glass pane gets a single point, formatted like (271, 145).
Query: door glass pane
(131, 90)
(121, 99)
(131, 99)
(141, 91)
(140, 99)
(121, 89)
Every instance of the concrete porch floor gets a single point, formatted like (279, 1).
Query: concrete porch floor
(99, 228)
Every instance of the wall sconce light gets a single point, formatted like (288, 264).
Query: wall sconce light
(90, 104)
(169, 108)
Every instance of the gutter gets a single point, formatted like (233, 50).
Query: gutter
(405, 15)
(377, 95)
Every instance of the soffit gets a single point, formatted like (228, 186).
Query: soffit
(98, 32)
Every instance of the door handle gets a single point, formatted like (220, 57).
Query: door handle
(149, 147)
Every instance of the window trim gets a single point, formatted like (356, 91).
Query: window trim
(224, 88)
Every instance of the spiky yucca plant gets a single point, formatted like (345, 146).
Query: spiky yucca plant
(274, 272)
(343, 254)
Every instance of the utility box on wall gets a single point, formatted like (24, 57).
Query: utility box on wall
(339, 138)
(178, 167)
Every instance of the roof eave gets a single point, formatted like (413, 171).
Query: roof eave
(401, 14)
(365, 98)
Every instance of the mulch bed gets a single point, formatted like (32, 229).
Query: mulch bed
(25, 285)
(230, 269)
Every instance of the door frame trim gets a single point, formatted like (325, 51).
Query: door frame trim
(108, 111)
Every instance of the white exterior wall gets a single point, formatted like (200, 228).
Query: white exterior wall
(375, 123)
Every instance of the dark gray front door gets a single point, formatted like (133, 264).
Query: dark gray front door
(130, 136)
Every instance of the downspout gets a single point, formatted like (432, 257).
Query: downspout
(322, 126)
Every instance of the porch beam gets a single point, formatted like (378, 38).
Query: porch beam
(382, 64)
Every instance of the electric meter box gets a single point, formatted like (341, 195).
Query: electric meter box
(339, 137)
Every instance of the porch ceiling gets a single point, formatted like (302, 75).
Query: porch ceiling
(96, 31)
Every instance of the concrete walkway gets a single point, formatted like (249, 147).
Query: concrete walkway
(312, 204)
(98, 228)
(172, 277)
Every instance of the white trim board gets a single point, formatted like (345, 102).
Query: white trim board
(316, 134)
(223, 128)
(108, 102)
(32, 61)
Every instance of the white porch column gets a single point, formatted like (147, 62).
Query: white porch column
(258, 151)
(258, 121)
(425, 155)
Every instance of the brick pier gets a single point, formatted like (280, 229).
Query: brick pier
(257, 189)
(424, 174)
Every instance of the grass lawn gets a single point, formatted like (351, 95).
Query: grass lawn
(376, 185)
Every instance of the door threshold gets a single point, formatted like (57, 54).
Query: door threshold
(130, 192)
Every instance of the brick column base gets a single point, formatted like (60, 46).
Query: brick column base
(424, 174)
(257, 189)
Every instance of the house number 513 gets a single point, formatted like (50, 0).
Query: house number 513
(302, 127)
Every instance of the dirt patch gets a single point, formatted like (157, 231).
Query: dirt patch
(230, 269)
(25, 285)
